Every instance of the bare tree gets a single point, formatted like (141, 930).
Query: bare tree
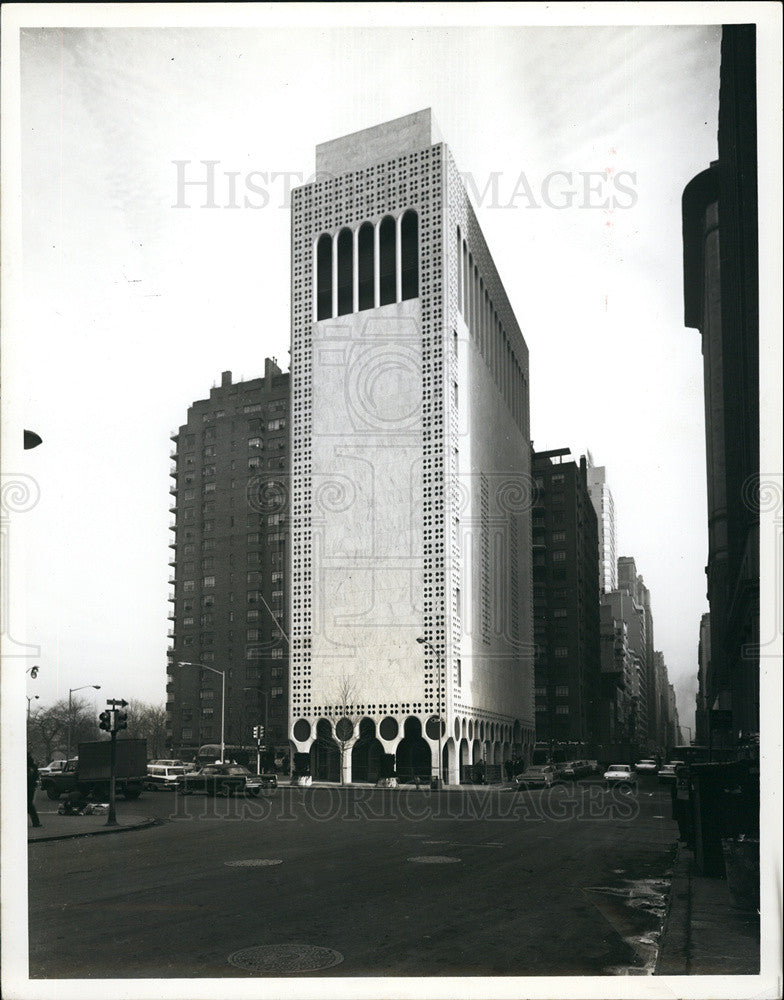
(47, 728)
(347, 718)
(147, 722)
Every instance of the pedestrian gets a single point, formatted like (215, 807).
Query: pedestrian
(416, 780)
(32, 781)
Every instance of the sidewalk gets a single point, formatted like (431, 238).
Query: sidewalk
(56, 827)
(704, 934)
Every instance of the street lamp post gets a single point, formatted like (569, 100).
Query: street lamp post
(203, 666)
(70, 692)
(439, 658)
(31, 698)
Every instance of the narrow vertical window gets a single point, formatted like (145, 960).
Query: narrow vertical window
(387, 253)
(345, 272)
(365, 265)
(460, 271)
(409, 255)
(324, 277)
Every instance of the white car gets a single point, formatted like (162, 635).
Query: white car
(53, 767)
(646, 766)
(620, 774)
(160, 776)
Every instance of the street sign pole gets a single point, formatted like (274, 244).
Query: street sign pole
(112, 820)
(115, 704)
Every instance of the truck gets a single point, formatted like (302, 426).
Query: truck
(91, 771)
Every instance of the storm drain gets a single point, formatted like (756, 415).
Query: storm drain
(254, 863)
(285, 959)
(434, 859)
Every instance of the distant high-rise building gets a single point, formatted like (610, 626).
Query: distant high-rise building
(566, 600)
(642, 641)
(604, 505)
(614, 730)
(626, 608)
(411, 469)
(229, 565)
(721, 300)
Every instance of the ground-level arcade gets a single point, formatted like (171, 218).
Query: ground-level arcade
(353, 750)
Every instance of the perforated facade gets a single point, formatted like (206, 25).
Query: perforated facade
(410, 494)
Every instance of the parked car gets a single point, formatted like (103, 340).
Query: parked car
(646, 766)
(216, 779)
(161, 776)
(575, 769)
(255, 782)
(620, 774)
(667, 772)
(537, 776)
(54, 766)
(166, 763)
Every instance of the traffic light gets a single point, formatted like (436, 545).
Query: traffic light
(255, 732)
(120, 721)
(105, 721)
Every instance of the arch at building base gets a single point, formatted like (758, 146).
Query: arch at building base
(367, 754)
(414, 756)
(324, 754)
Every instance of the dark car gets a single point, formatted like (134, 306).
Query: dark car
(575, 769)
(537, 776)
(214, 779)
(255, 782)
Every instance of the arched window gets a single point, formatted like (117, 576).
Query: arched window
(365, 266)
(324, 277)
(386, 254)
(409, 255)
(345, 272)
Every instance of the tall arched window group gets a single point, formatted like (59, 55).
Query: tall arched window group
(374, 265)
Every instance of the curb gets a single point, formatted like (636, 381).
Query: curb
(674, 958)
(102, 831)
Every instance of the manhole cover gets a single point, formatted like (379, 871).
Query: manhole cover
(285, 959)
(254, 863)
(434, 859)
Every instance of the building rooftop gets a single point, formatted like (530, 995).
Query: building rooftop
(387, 141)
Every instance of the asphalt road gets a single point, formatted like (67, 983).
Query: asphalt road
(568, 881)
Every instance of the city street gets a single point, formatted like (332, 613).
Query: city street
(484, 881)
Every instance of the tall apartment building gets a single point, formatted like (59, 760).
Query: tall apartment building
(410, 472)
(604, 505)
(229, 565)
(721, 300)
(566, 600)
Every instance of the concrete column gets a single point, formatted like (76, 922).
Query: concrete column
(347, 763)
(355, 269)
(334, 275)
(453, 763)
(398, 261)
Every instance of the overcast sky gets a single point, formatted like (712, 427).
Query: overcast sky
(131, 307)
